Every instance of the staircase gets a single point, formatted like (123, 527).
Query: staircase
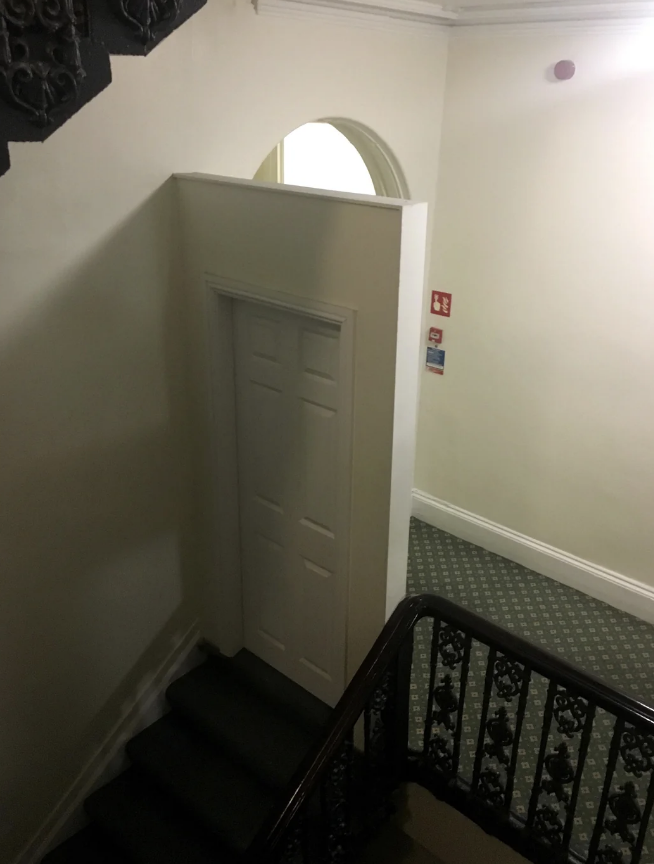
(206, 776)
(247, 767)
(55, 56)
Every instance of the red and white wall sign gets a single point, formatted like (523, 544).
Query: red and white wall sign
(441, 303)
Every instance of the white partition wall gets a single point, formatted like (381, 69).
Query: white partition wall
(351, 263)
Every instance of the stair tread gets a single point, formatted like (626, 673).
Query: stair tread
(88, 846)
(149, 827)
(276, 688)
(256, 732)
(227, 799)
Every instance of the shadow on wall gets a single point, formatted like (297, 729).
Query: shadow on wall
(96, 508)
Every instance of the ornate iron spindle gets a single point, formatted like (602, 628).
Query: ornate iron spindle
(380, 766)
(463, 683)
(614, 752)
(488, 689)
(433, 663)
(294, 849)
(553, 822)
(498, 741)
(519, 719)
(401, 708)
(544, 740)
(335, 795)
(581, 762)
(445, 714)
(634, 748)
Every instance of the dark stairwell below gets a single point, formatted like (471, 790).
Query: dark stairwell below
(204, 777)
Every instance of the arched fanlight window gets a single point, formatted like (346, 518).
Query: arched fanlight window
(334, 154)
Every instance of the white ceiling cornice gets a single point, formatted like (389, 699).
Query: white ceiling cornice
(555, 10)
(414, 15)
(468, 17)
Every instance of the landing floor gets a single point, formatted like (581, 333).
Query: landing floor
(610, 644)
(607, 643)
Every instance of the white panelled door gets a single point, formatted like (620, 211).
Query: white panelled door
(293, 444)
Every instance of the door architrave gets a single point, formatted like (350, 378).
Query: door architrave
(222, 613)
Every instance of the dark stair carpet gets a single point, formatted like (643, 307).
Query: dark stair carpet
(86, 848)
(204, 777)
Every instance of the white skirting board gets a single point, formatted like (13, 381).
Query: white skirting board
(147, 706)
(613, 588)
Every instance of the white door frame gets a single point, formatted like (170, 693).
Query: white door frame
(222, 615)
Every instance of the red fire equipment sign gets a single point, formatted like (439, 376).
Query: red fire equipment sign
(441, 303)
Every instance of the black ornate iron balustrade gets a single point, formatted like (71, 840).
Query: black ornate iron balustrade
(552, 761)
(40, 58)
(54, 56)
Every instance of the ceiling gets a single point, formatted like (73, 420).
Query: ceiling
(492, 11)
(498, 15)
(515, 4)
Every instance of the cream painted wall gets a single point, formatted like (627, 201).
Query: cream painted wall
(544, 420)
(97, 540)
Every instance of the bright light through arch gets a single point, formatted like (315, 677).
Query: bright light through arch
(317, 155)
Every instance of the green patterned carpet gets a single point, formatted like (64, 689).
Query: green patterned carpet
(609, 644)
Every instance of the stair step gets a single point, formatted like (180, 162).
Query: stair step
(228, 800)
(300, 705)
(148, 827)
(86, 847)
(257, 733)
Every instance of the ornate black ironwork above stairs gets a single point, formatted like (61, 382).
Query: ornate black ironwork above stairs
(54, 56)
(248, 767)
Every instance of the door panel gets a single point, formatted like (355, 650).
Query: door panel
(316, 633)
(318, 443)
(274, 600)
(319, 358)
(291, 442)
(266, 446)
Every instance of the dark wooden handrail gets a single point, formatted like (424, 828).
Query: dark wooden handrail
(346, 714)
(384, 652)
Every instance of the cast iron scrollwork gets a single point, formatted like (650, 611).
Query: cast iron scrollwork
(146, 18)
(548, 825)
(453, 649)
(637, 752)
(499, 738)
(561, 773)
(41, 69)
(561, 767)
(451, 646)
(492, 788)
(626, 813)
(447, 702)
(508, 676)
(292, 851)
(492, 779)
(501, 734)
(570, 712)
(380, 705)
(440, 755)
(379, 751)
(54, 56)
(609, 855)
(336, 805)
(626, 819)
